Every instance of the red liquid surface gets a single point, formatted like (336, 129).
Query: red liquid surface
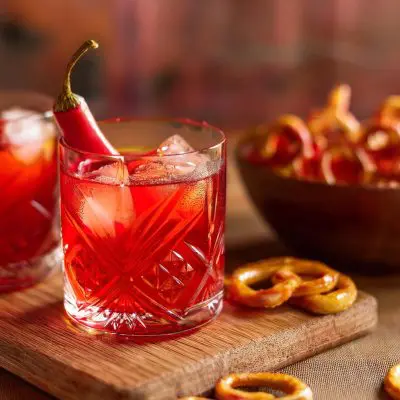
(147, 251)
(27, 205)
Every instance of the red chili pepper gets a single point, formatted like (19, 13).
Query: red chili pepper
(73, 115)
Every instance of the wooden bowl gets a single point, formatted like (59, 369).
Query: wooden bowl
(356, 227)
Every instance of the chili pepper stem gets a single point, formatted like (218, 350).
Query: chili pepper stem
(73, 116)
(67, 100)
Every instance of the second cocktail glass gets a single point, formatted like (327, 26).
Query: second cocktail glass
(143, 233)
(29, 234)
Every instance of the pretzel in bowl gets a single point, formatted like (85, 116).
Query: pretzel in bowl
(227, 388)
(238, 287)
(343, 164)
(392, 382)
(325, 278)
(377, 136)
(380, 139)
(335, 122)
(340, 299)
(286, 139)
(389, 112)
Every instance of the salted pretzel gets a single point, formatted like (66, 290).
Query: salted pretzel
(340, 299)
(325, 278)
(392, 382)
(238, 287)
(227, 388)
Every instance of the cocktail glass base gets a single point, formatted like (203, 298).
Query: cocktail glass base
(97, 321)
(23, 274)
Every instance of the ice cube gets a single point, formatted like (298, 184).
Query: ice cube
(173, 145)
(182, 158)
(148, 170)
(162, 171)
(25, 132)
(115, 173)
(104, 207)
(21, 126)
(181, 167)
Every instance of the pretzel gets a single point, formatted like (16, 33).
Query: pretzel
(392, 382)
(326, 278)
(288, 126)
(389, 111)
(363, 165)
(293, 387)
(239, 290)
(302, 167)
(381, 141)
(336, 116)
(307, 168)
(339, 98)
(340, 299)
(379, 135)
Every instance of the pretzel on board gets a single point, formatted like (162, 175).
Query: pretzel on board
(325, 278)
(338, 300)
(239, 290)
(228, 388)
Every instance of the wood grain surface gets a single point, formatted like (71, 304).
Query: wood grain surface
(37, 343)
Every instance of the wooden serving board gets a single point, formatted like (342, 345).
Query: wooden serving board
(38, 344)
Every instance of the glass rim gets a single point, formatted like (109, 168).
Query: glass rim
(44, 113)
(184, 121)
(34, 117)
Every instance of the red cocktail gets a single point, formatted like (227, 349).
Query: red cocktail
(28, 234)
(143, 233)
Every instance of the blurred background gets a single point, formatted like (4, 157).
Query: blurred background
(234, 63)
